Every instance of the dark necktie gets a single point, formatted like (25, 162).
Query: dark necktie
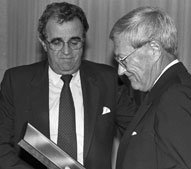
(66, 125)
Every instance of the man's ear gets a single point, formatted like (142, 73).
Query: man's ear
(157, 49)
(43, 44)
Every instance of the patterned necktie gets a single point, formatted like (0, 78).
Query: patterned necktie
(66, 126)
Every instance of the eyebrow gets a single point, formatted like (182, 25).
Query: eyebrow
(54, 39)
(73, 37)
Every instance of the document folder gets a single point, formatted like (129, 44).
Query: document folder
(46, 151)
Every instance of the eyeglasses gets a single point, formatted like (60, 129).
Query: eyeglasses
(57, 44)
(121, 61)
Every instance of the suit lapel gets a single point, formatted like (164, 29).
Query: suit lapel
(38, 99)
(91, 95)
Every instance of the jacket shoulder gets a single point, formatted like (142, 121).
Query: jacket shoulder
(25, 73)
(26, 70)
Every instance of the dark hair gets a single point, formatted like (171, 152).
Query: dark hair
(63, 12)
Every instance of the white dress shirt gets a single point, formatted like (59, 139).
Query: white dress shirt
(55, 87)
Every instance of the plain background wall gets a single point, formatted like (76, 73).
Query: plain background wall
(3, 37)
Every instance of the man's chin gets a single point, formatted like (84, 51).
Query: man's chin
(69, 70)
(135, 85)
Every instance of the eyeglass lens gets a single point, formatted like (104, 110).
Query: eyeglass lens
(73, 43)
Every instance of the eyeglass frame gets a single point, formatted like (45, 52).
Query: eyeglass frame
(63, 43)
(121, 60)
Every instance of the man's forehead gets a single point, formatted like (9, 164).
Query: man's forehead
(121, 43)
(64, 30)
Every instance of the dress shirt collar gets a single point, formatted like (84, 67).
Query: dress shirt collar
(165, 69)
(55, 78)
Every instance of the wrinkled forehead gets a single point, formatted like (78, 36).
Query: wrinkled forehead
(121, 42)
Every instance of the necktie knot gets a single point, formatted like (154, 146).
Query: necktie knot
(66, 78)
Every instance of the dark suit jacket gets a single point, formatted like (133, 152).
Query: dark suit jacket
(24, 98)
(159, 135)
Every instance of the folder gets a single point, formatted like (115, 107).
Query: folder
(46, 151)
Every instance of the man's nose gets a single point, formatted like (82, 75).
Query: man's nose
(121, 70)
(66, 49)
